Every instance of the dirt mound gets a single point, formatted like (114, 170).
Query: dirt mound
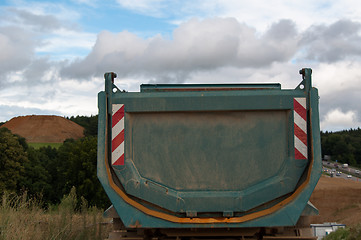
(338, 200)
(44, 128)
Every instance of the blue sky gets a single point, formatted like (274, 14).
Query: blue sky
(54, 53)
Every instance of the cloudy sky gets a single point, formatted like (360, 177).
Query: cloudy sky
(53, 54)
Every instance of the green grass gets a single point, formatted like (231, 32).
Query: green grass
(349, 233)
(39, 145)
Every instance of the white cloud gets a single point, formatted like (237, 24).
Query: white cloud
(337, 78)
(339, 86)
(55, 10)
(148, 7)
(256, 13)
(10, 111)
(333, 42)
(53, 96)
(285, 73)
(46, 57)
(32, 41)
(62, 42)
(17, 50)
(204, 45)
(336, 120)
(197, 45)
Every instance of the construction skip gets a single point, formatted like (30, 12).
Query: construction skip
(210, 160)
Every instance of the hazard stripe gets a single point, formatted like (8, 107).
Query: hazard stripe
(298, 155)
(118, 128)
(117, 134)
(119, 139)
(300, 122)
(118, 114)
(301, 147)
(117, 153)
(299, 108)
(119, 161)
(300, 127)
(300, 134)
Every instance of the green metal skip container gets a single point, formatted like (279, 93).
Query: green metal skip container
(209, 156)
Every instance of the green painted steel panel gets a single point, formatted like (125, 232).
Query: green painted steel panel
(207, 101)
(210, 153)
(205, 87)
(213, 151)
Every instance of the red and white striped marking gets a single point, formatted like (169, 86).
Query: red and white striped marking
(300, 126)
(117, 134)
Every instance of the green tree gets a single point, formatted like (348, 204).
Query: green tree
(12, 160)
(345, 146)
(77, 167)
(36, 178)
(90, 124)
(48, 158)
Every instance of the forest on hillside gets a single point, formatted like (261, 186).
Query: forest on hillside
(343, 146)
(52, 172)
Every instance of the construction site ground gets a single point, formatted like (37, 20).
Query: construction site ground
(44, 128)
(338, 200)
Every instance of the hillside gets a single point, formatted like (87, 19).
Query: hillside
(343, 146)
(44, 128)
(338, 200)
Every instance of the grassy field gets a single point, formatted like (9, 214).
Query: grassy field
(39, 145)
(23, 218)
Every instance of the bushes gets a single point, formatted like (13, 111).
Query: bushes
(353, 233)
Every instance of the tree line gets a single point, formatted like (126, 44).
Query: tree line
(50, 173)
(343, 146)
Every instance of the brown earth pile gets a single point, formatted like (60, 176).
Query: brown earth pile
(44, 128)
(338, 200)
